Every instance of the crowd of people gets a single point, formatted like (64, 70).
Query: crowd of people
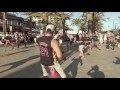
(17, 38)
(52, 43)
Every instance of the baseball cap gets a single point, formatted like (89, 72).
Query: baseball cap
(51, 27)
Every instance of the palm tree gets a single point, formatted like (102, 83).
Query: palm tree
(65, 16)
(96, 18)
(76, 22)
(45, 15)
(81, 23)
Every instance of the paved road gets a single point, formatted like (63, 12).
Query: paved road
(25, 63)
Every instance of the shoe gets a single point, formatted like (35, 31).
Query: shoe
(88, 53)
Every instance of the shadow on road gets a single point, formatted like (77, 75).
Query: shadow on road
(117, 61)
(18, 63)
(71, 52)
(18, 52)
(28, 46)
(71, 70)
(95, 73)
(32, 71)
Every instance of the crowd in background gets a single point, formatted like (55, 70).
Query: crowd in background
(83, 40)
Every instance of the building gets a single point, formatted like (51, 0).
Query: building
(41, 21)
(17, 23)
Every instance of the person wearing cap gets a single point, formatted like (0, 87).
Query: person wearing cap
(49, 49)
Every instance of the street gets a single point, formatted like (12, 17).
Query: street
(25, 63)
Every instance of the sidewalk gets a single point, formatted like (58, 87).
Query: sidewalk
(104, 63)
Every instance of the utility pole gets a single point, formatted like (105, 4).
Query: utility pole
(113, 25)
(4, 22)
(63, 26)
(30, 24)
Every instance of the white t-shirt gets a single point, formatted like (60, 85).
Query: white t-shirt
(105, 37)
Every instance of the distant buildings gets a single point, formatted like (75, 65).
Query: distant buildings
(17, 23)
(41, 22)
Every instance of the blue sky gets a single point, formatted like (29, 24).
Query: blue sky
(113, 18)
(108, 24)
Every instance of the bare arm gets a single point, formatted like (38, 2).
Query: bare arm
(56, 48)
(79, 42)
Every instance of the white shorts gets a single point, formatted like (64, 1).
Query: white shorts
(81, 47)
(101, 41)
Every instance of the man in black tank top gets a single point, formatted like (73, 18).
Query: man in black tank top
(49, 48)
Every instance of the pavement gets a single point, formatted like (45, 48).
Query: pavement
(25, 63)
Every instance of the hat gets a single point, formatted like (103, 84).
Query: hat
(51, 27)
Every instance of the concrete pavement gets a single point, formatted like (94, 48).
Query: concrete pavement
(25, 63)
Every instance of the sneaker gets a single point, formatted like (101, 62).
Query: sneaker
(88, 53)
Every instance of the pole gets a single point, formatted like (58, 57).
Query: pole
(30, 24)
(64, 26)
(113, 25)
(4, 22)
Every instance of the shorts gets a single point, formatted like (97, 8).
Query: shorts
(81, 47)
(101, 41)
(95, 42)
(57, 68)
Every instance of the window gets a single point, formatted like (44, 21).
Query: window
(9, 21)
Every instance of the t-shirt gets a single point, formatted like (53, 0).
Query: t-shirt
(47, 54)
(8, 38)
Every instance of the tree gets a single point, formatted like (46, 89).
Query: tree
(65, 16)
(76, 22)
(62, 15)
(96, 18)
